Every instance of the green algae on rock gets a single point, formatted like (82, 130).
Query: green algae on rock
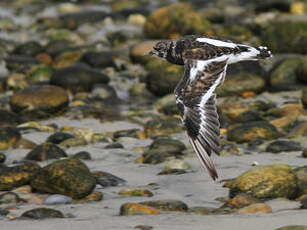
(267, 181)
(45, 151)
(177, 19)
(16, 176)
(252, 130)
(129, 208)
(69, 177)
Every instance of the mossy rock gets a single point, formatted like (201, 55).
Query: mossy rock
(304, 97)
(68, 177)
(288, 35)
(16, 176)
(9, 137)
(167, 205)
(41, 73)
(174, 20)
(162, 77)
(283, 76)
(267, 181)
(45, 151)
(247, 132)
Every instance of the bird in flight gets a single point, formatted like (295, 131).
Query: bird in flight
(205, 61)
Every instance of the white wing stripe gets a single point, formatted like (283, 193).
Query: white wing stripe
(216, 42)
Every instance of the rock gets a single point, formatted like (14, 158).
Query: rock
(30, 48)
(282, 204)
(135, 192)
(95, 196)
(39, 100)
(68, 177)
(45, 151)
(304, 153)
(19, 63)
(107, 179)
(286, 35)
(114, 145)
(9, 137)
(293, 227)
(72, 142)
(167, 146)
(240, 83)
(255, 208)
(153, 158)
(10, 197)
(267, 181)
(172, 172)
(83, 155)
(137, 51)
(99, 59)
(42, 213)
(174, 20)
(140, 91)
(58, 137)
(301, 71)
(2, 158)
(135, 133)
(67, 58)
(252, 130)
(242, 200)
(176, 164)
(105, 92)
(57, 199)
(16, 176)
(162, 127)
(55, 47)
(128, 209)
(15, 81)
(167, 205)
(143, 227)
(304, 203)
(304, 97)
(40, 74)
(78, 78)
(283, 146)
(201, 210)
(301, 175)
(162, 77)
(8, 118)
(283, 77)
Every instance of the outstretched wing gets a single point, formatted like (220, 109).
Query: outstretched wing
(195, 99)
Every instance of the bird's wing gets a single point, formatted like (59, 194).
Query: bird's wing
(195, 99)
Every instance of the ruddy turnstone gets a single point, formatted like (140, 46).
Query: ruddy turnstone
(205, 61)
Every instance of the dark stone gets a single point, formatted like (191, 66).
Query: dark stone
(99, 59)
(30, 48)
(2, 158)
(21, 64)
(9, 137)
(304, 97)
(304, 153)
(114, 145)
(68, 177)
(45, 151)
(105, 92)
(247, 117)
(83, 155)
(126, 133)
(58, 137)
(55, 47)
(301, 71)
(153, 158)
(42, 213)
(167, 146)
(301, 175)
(107, 179)
(172, 172)
(167, 205)
(3, 212)
(16, 176)
(283, 146)
(78, 77)
(9, 118)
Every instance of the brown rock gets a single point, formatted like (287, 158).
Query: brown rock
(137, 209)
(255, 208)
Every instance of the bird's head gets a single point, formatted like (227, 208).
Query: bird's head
(160, 49)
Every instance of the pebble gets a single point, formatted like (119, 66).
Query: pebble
(114, 145)
(9, 137)
(42, 213)
(2, 158)
(176, 164)
(83, 155)
(255, 208)
(167, 205)
(283, 146)
(106, 179)
(137, 209)
(135, 192)
(58, 137)
(46, 151)
(57, 199)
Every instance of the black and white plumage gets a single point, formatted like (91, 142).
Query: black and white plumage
(205, 61)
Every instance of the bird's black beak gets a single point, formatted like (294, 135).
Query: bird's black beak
(150, 53)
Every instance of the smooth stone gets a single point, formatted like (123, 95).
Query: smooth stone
(16, 176)
(83, 155)
(201, 210)
(20, 63)
(67, 59)
(255, 208)
(105, 92)
(281, 204)
(2, 158)
(72, 142)
(24, 143)
(176, 164)
(172, 172)
(283, 146)
(128, 209)
(135, 192)
(252, 130)
(39, 99)
(57, 199)
(9, 137)
(9, 197)
(107, 179)
(45, 151)
(167, 146)
(58, 137)
(162, 126)
(42, 213)
(99, 59)
(153, 158)
(68, 177)
(266, 181)
(114, 145)
(78, 78)
(95, 196)
(30, 48)
(126, 133)
(167, 205)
